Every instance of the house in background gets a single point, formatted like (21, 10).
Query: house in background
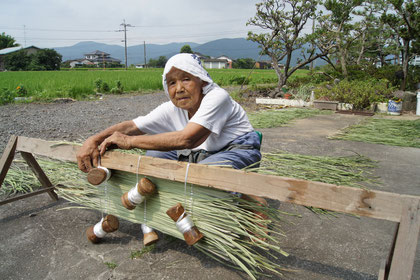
(263, 65)
(29, 50)
(415, 61)
(94, 58)
(230, 61)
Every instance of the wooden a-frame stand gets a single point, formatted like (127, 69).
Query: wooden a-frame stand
(402, 209)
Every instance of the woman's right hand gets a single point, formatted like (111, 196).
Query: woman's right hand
(88, 155)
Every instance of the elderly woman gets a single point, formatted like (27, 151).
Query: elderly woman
(201, 123)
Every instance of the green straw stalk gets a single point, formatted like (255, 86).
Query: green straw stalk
(230, 228)
(404, 133)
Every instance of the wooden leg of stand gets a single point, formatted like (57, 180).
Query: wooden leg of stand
(406, 243)
(7, 157)
(386, 263)
(45, 182)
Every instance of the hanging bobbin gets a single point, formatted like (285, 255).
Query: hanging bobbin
(184, 224)
(149, 235)
(137, 194)
(108, 224)
(98, 175)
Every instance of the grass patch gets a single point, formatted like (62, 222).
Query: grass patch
(403, 133)
(277, 118)
(111, 265)
(48, 85)
(139, 253)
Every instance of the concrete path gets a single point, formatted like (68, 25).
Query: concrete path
(40, 241)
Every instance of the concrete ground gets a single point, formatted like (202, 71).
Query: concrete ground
(39, 240)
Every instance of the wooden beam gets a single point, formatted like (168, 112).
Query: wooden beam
(7, 157)
(39, 173)
(386, 263)
(18, 197)
(374, 204)
(406, 243)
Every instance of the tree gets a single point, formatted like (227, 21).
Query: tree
(17, 61)
(186, 49)
(338, 22)
(45, 59)
(376, 40)
(7, 41)
(404, 19)
(285, 19)
(159, 63)
(244, 63)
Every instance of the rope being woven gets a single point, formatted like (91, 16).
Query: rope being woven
(225, 220)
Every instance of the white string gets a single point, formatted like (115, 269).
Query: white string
(137, 179)
(98, 230)
(184, 223)
(185, 184)
(105, 192)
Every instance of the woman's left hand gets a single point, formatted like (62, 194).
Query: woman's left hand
(118, 139)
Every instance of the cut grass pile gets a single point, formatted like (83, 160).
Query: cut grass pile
(276, 118)
(404, 133)
(352, 171)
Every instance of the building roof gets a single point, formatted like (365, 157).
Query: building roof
(100, 53)
(214, 60)
(14, 49)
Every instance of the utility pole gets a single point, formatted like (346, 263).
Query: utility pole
(125, 39)
(144, 46)
(24, 35)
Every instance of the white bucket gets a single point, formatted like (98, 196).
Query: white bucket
(394, 107)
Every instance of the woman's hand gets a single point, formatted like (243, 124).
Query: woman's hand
(87, 154)
(118, 139)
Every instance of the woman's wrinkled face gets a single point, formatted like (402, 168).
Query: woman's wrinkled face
(185, 90)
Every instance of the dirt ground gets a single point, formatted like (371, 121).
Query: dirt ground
(39, 240)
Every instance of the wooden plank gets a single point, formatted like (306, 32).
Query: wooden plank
(386, 263)
(406, 243)
(43, 179)
(382, 268)
(7, 157)
(56, 150)
(374, 204)
(18, 197)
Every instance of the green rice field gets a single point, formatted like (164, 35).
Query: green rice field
(45, 85)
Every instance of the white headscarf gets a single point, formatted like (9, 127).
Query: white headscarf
(191, 64)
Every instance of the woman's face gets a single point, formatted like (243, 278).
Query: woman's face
(185, 90)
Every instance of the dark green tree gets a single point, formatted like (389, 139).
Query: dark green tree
(339, 23)
(17, 61)
(45, 59)
(243, 63)
(158, 63)
(404, 19)
(7, 41)
(186, 49)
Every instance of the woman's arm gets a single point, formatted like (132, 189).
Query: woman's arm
(89, 152)
(190, 137)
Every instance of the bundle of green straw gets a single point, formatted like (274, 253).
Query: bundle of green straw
(404, 133)
(233, 233)
(276, 118)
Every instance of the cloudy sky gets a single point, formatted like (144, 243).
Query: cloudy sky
(56, 23)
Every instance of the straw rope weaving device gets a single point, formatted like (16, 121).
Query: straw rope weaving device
(404, 210)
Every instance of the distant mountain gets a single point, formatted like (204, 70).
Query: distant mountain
(135, 54)
(233, 48)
